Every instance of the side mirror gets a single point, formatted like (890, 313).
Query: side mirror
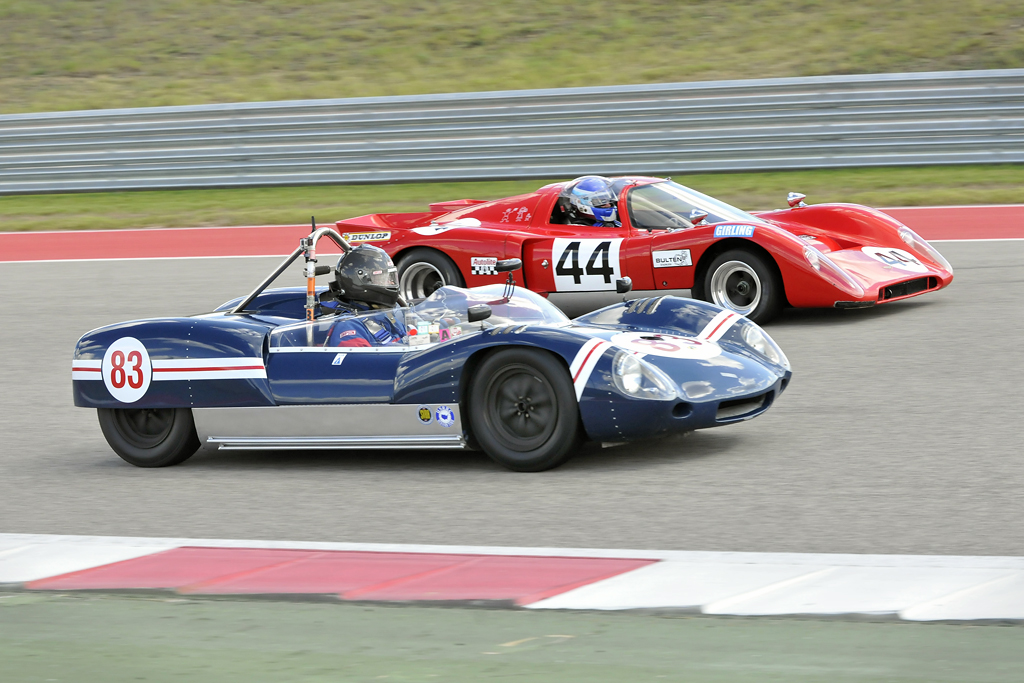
(508, 265)
(697, 216)
(796, 200)
(623, 285)
(479, 312)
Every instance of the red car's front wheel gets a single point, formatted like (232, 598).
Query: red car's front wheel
(742, 281)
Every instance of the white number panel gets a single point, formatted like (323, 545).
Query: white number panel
(127, 370)
(668, 345)
(896, 258)
(586, 265)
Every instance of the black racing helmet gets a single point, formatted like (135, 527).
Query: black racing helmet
(367, 275)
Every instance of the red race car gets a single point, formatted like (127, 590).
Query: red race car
(584, 235)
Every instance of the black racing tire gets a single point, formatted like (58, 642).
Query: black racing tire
(422, 271)
(523, 410)
(745, 282)
(150, 437)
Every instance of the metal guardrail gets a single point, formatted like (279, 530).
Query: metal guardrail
(783, 123)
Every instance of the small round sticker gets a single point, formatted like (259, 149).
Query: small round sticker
(425, 415)
(127, 370)
(896, 258)
(668, 345)
(445, 417)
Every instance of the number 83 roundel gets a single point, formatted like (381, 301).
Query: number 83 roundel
(586, 265)
(127, 370)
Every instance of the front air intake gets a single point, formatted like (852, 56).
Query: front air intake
(907, 288)
(742, 407)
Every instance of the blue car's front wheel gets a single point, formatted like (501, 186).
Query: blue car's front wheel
(150, 437)
(522, 409)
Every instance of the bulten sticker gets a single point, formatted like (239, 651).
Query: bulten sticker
(671, 259)
(425, 415)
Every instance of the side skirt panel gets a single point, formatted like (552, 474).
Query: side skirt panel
(366, 426)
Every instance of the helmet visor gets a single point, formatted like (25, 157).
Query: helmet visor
(383, 277)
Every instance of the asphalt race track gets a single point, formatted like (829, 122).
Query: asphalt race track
(901, 433)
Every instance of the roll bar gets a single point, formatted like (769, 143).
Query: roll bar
(307, 248)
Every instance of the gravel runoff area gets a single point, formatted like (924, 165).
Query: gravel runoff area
(899, 434)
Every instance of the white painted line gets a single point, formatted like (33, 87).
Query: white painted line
(34, 562)
(673, 585)
(1001, 598)
(729, 605)
(858, 590)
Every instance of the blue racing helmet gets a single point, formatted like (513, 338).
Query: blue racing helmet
(593, 196)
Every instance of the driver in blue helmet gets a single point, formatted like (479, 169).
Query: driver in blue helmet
(593, 200)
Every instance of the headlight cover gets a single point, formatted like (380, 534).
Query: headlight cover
(831, 272)
(918, 244)
(639, 379)
(758, 340)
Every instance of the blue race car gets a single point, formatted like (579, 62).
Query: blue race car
(494, 368)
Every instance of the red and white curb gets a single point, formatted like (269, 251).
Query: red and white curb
(910, 587)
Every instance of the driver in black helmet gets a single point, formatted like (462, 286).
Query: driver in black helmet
(366, 286)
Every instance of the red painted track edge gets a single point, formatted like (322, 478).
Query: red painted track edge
(994, 222)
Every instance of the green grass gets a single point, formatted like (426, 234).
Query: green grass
(69, 54)
(879, 187)
(86, 638)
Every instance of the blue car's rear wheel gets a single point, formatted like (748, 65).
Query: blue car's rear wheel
(150, 437)
(522, 409)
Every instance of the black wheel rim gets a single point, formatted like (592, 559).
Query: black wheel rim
(144, 427)
(521, 407)
(741, 289)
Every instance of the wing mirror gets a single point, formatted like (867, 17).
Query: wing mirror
(623, 285)
(796, 200)
(697, 216)
(480, 312)
(508, 265)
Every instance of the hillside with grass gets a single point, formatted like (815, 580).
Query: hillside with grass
(74, 54)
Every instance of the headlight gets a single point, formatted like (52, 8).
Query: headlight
(639, 379)
(918, 244)
(759, 341)
(831, 272)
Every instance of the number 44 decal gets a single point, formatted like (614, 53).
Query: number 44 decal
(586, 265)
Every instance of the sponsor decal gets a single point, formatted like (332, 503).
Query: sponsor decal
(367, 236)
(127, 370)
(896, 258)
(438, 228)
(444, 416)
(586, 265)
(337, 359)
(425, 415)
(483, 266)
(734, 231)
(518, 215)
(667, 345)
(671, 259)
(347, 333)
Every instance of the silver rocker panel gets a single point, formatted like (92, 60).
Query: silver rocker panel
(363, 426)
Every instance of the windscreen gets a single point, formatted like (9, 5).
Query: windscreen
(667, 205)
